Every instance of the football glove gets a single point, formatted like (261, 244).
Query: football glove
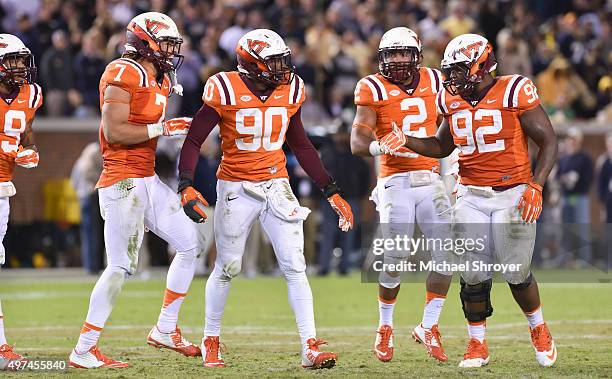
(27, 158)
(531, 202)
(393, 141)
(340, 206)
(193, 204)
(173, 127)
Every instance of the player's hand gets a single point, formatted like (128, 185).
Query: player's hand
(393, 141)
(27, 158)
(193, 204)
(177, 126)
(531, 202)
(343, 209)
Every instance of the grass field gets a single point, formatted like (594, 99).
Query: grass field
(43, 318)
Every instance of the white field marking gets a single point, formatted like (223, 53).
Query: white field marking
(34, 295)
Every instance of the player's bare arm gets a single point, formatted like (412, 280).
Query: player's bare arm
(27, 137)
(362, 133)
(537, 126)
(439, 146)
(115, 115)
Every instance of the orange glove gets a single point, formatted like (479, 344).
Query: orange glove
(531, 202)
(173, 127)
(27, 158)
(393, 141)
(193, 204)
(343, 209)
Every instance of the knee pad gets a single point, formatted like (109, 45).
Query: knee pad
(521, 286)
(477, 293)
(187, 257)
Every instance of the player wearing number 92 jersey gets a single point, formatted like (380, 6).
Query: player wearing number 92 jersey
(401, 97)
(257, 109)
(489, 120)
(21, 97)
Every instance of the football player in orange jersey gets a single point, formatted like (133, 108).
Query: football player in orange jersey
(409, 187)
(257, 108)
(489, 120)
(134, 90)
(21, 97)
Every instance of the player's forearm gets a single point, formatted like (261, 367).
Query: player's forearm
(27, 138)
(202, 125)
(125, 133)
(361, 147)
(545, 162)
(429, 147)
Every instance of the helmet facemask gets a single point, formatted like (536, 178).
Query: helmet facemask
(462, 77)
(165, 56)
(272, 71)
(399, 64)
(17, 69)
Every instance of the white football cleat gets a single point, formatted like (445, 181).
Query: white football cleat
(431, 340)
(544, 345)
(94, 359)
(313, 358)
(173, 341)
(476, 354)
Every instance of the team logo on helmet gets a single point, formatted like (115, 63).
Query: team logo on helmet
(155, 26)
(469, 51)
(256, 45)
(3, 45)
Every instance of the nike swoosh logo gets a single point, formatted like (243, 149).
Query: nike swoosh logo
(278, 96)
(130, 188)
(232, 198)
(389, 186)
(423, 89)
(21, 101)
(491, 101)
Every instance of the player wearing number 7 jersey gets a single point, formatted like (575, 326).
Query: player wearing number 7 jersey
(257, 108)
(489, 120)
(134, 91)
(409, 190)
(21, 97)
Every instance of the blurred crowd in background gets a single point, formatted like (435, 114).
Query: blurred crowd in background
(564, 45)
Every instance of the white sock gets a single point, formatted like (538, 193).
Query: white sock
(385, 311)
(535, 318)
(2, 337)
(300, 299)
(180, 275)
(477, 330)
(101, 303)
(217, 289)
(433, 307)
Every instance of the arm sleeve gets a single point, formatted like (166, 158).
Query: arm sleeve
(305, 152)
(202, 124)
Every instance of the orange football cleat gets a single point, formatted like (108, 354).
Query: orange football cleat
(94, 359)
(313, 358)
(476, 354)
(173, 341)
(383, 347)
(7, 353)
(212, 347)
(544, 345)
(431, 340)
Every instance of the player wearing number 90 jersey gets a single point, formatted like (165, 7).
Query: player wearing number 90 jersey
(257, 108)
(401, 97)
(21, 97)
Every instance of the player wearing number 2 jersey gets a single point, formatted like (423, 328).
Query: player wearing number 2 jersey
(257, 110)
(489, 120)
(402, 96)
(21, 97)
(134, 91)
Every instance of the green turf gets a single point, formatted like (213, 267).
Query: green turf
(43, 318)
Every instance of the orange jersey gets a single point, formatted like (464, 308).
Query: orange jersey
(488, 134)
(413, 109)
(147, 106)
(14, 117)
(252, 130)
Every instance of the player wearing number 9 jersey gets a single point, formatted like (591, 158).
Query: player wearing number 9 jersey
(257, 109)
(21, 97)
(402, 97)
(489, 120)
(134, 91)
